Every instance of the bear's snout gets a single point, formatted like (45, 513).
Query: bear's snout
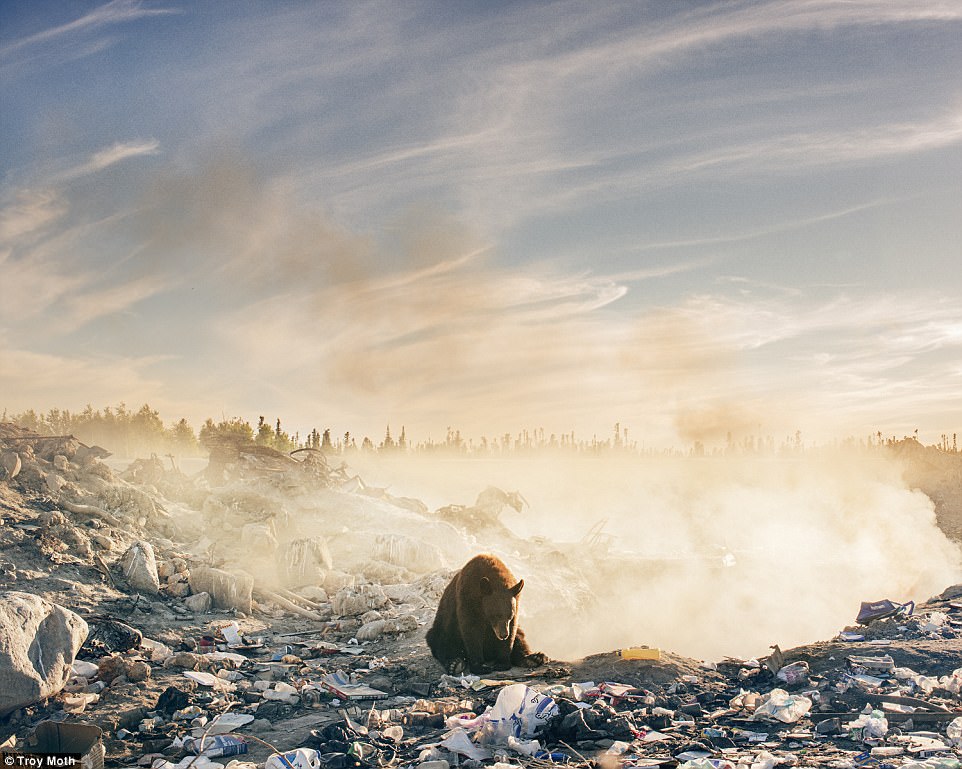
(502, 630)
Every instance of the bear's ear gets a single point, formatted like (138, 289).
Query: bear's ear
(517, 588)
(485, 586)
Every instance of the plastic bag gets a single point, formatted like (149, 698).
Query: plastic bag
(954, 732)
(519, 712)
(525, 747)
(764, 760)
(301, 758)
(953, 682)
(784, 707)
(869, 726)
(459, 741)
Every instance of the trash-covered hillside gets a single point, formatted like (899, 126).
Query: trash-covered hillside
(272, 609)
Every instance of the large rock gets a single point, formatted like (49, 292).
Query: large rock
(412, 554)
(229, 590)
(10, 465)
(351, 602)
(38, 642)
(140, 568)
(259, 538)
(199, 603)
(304, 562)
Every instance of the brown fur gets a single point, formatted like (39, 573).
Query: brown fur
(477, 620)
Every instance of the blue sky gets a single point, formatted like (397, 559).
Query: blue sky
(691, 218)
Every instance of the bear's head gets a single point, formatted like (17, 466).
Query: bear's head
(499, 605)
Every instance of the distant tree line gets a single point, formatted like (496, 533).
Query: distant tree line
(119, 429)
(140, 433)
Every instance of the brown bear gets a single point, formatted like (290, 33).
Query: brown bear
(477, 620)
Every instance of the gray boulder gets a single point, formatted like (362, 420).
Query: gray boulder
(10, 465)
(199, 603)
(140, 568)
(228, 590)
(38, 642)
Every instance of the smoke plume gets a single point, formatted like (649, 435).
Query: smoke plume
(706, 557)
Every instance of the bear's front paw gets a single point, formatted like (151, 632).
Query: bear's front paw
(535, 659)
(481, 668)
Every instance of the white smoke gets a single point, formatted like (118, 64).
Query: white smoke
(705, 557)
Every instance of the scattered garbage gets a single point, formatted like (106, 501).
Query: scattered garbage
(79, 739)
(870, 611)
(323, 664)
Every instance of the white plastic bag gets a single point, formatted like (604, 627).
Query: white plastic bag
(954, 732)
(459, 741)
(300, 758)
(953, 682)
(525, 747)
(784, 707)
(764, 760)
(869, 726)
(519, 712)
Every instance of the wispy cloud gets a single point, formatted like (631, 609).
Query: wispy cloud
(520, 120)
(755, 234)
(73, 39)
(116, 153)
(805, 150)
(29, 212)
(98, 302)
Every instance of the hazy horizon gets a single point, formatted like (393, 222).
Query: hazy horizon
(719, 440)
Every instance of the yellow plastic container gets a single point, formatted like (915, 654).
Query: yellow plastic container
(641, 653)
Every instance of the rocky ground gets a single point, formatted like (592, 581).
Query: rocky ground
(211, 608)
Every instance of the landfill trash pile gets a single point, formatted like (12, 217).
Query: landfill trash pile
(232, 619)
